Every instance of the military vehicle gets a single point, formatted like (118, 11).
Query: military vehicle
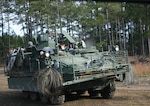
(56, 66)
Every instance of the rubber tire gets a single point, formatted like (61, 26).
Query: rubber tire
(44, 99)
(34, 96)
(57, 100)
(109, 91)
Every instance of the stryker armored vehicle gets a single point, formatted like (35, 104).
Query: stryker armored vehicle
(57, 66)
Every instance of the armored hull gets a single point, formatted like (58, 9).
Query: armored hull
(43, 73)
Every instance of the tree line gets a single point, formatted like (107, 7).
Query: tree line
(109, 23)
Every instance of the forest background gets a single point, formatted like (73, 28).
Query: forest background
(125, 24)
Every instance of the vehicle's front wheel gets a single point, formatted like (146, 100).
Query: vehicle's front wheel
(109, 91)
(57, 100)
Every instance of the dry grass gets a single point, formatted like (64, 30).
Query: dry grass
(139, 68)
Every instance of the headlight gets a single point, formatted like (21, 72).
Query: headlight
(47, 54)
(41, 52)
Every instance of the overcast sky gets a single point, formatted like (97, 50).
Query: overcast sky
(13, 28)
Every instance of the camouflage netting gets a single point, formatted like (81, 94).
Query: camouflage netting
(50, 82)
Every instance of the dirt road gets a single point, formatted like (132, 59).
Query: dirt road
(137, 94)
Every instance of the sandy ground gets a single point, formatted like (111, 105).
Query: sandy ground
(136, 94)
